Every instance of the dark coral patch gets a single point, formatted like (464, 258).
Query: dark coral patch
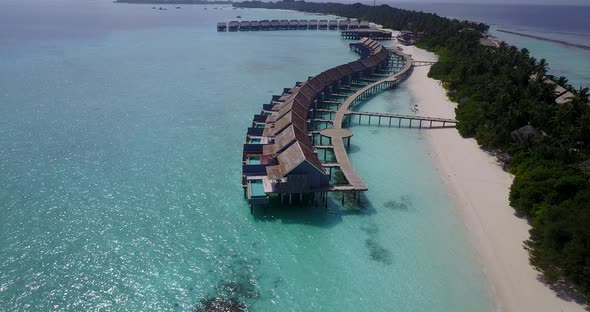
(220, 305)
(377, 252)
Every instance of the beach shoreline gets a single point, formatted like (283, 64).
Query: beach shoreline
(479, 188)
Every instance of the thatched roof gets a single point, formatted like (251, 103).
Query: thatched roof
(371, 61)
(316, 84)
(524, 133)
(334, 74)
(284, 122)
(303, 101)
(289, 136)
(356, 66)
(291, 158)
(289, 106)
(325, 79)
(585, 166)
(564, 98)
(345, 69)
(307, 91)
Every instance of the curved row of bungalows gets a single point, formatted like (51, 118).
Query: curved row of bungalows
(279, 156)
(292, 25)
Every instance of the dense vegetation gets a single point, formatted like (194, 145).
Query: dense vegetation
(499, 90)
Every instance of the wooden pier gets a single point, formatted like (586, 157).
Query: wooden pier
(423, 63)
(431, 122)
(337, 134)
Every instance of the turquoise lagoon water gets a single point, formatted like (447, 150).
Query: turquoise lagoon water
(120, 160)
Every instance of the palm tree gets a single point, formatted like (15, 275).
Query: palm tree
(562, 81)
(541, 67)
(581, 95)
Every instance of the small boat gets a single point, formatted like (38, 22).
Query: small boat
(177, 8)
(163, 9)
(238, 16)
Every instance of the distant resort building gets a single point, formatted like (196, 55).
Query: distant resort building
(407, 38)
(526, 134)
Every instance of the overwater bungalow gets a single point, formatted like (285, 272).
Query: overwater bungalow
(254, 25)
(312, 24)
(323, 24)
(284, 24)
(275, 24)
(233, 26)
(364, 25)
(333, 25)
(244, 26)
(265, 25)
(343, 25)
(222, 26)
(354, 24)
(294, 24)
(303, 24)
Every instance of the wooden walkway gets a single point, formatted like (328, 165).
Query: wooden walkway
(336, 134)
(422, 63)
(442, 122)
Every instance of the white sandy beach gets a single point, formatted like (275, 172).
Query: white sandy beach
(480, 189)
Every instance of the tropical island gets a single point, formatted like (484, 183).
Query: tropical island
(174, 1)
(536, 125)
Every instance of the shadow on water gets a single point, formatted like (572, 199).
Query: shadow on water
(402, 203)
(377, 252)
(353, 149)
(314, 212)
